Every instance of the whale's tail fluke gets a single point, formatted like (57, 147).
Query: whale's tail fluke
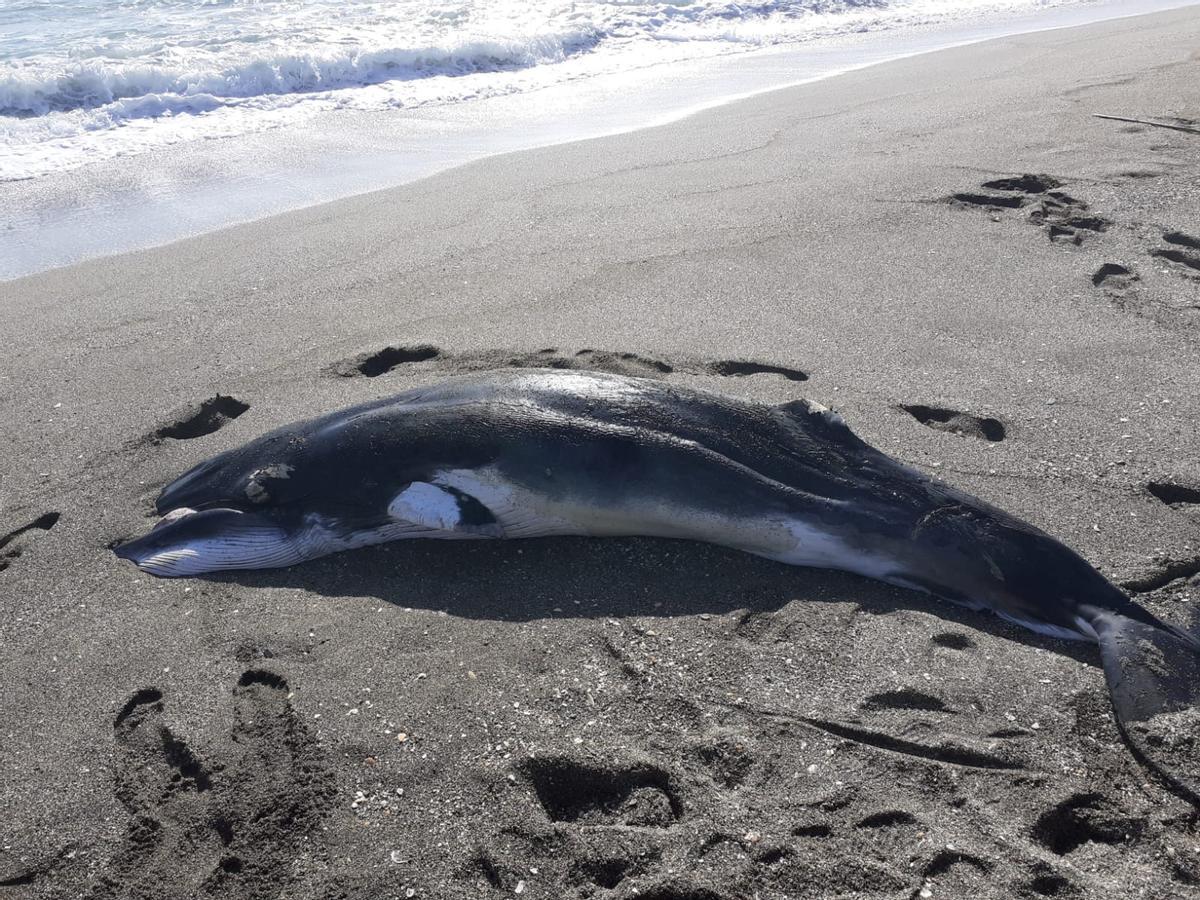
(1153, 674)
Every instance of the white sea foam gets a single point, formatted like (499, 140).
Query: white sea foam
(85, 80)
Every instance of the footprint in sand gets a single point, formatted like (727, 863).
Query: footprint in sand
(1115, 279)
(428, 357)
(1045, 883)
(573, 790)
(226, 829)
(198, 420)
(613, 821)
(1018, 191)
(905, 699)
(1184, 253)
(380, 362)
(1065, 218)
(13, 544)
(952, 640)
(1174, 494)
(953, 421)
(1084, 818)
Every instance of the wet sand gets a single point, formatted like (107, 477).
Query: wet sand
(631, 718)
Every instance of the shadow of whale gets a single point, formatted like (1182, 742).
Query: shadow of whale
(592, 578)
(601, 579)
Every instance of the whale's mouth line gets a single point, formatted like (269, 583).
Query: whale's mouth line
(224, 503)
(177, 514)
(182, 513)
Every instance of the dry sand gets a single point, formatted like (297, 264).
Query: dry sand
(630, 718)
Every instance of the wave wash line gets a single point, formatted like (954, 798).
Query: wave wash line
(86, 80)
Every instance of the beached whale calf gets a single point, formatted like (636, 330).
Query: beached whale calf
(529, 453)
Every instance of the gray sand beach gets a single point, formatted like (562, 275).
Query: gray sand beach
(986, 280)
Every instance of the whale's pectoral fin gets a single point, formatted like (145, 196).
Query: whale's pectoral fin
(443, 508)
(1154, 677)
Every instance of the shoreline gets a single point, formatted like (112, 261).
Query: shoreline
(124, 205)
(801, 243)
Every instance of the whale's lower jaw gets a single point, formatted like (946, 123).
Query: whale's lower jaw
(215, 556)
(187, 543)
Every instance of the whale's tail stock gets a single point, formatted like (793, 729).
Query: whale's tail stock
(1153, 674)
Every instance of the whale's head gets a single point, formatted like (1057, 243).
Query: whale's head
(267, 474)
(273, 502)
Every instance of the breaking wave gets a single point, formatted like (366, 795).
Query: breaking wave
(83, 80)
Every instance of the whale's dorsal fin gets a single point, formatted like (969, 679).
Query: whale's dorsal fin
(802, 408)
(440, 507)
(805, 411)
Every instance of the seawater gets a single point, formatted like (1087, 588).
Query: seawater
(87, 80)
(130, 123)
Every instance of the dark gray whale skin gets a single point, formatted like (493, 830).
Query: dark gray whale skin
(530, 452)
